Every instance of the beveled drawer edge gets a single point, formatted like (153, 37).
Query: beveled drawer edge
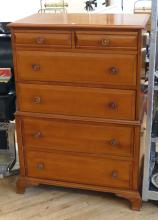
(81, 154)
(127, 193)
(73, 49)
(42, 31)
(78, 30)
(112, 32)
(77, 84)
(77, 118)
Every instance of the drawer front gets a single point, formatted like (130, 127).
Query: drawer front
(43, 39)
(106, 69)
(78, 137)
(69, 100)
(64, 167)
(105, 40)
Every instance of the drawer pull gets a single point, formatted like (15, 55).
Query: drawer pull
(105, 42)
(113, 142)
(114, 70)
(114, 174)
(112, 105)
(37, 100)
(40, 40)
(40, 166)
(38, 135)
(36, 67)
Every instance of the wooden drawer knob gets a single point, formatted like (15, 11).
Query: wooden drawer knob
(113, 70)
(114, 174)
(40, 40)
(37, 135)
(113, 142)
(36, 67)
(37, 100)
(105, 42)
(40, 166)
(112, 105)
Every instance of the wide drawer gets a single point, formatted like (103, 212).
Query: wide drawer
(79, 169)
(79, 101)
(104, 40)
(77, 136)
(43, 38)
(106, 69)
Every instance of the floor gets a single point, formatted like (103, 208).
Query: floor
(52, 203)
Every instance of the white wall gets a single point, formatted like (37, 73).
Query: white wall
(76, 6)
(128, 5)
(11, 10)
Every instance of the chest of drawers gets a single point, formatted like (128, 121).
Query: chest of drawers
(79, 102)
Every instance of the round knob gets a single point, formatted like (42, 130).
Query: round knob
(114, 174)
(113, 70)
(37, 100)
(105, 42)
(113, 142)
(112, 105)
(35, 67)
(40, 166)
(38, 135)
(40, 40)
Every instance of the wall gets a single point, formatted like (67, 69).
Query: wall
(11, 10)
(128, 5)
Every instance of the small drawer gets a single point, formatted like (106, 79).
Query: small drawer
(105, 69)
(78, 136)
(77, 169)
(77, 101)
(105, 40)
(43, 39)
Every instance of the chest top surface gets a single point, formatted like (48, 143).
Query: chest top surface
(106, 21)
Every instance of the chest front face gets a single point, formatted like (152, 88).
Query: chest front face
(79, 104)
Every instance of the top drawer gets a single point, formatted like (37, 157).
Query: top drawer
(105, 40)
(44, 39)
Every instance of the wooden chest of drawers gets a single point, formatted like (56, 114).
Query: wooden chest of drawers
(79, 105)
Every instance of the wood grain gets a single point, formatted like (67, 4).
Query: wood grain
(106, 40)
(103, 69)
(77, 137)
(78, 86)
(94, 21)
(45, 39)
(58, 203)
(77, 169)
(70, 100)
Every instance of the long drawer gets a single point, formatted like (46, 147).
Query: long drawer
(106, 69)
(77, 101)
(75, 136)
(77, 169)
